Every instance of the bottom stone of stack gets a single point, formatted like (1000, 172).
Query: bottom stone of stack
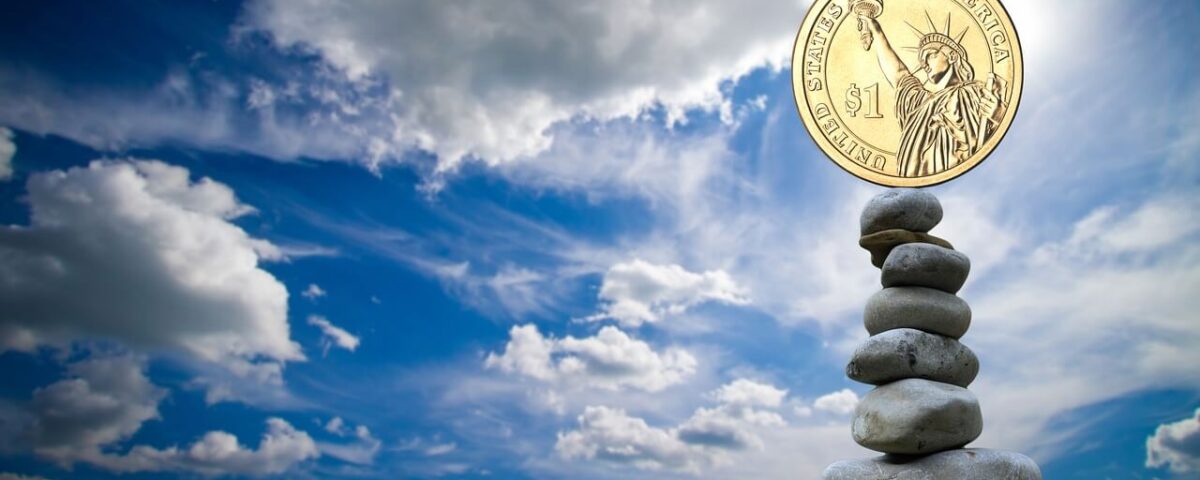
(961, 464)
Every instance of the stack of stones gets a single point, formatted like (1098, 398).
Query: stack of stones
(920, 413)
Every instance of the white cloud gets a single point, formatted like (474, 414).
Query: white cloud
(135, 251)
(315, 114)
(464, 83)
(626, 159)
(17, 476)
(332, 335)
(432, 447)
(336, 426)
(841, 402)
(313, 292)
(105, 401)
(748, 393)
(612, 435)
(361, 451)
(516, 290)
(280, 449)
(8, 149)
(1176, 446)
(727, 427)
(1052, 353)
(638, 291)
(440, 449)
(609, 360)
(704, 440)
(1106, 232)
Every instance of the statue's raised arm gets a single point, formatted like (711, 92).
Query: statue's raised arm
(893, 68)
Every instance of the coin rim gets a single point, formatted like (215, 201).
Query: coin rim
(825, 146)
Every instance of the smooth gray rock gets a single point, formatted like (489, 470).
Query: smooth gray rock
(924, 309)
(907, 353)
(960, 464)
(915, 417)
(925, 265)
(904, 208)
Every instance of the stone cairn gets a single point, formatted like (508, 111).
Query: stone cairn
(920, 414)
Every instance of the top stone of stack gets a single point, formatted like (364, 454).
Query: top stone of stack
(901, 208)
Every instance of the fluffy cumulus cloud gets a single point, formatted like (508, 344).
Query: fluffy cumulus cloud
(748, 393)
(705, 439)
(138, 252)
(8, 149)
(637, 292)
(106, 400)
(841, 402)
(466, 82)
(609, 360)
(280, 449)
(610, 434)
(1176, 446)
(333, 335)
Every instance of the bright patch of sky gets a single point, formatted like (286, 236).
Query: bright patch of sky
(547, 239)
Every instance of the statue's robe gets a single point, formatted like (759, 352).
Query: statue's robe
(940, 129)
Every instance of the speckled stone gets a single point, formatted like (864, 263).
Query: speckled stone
(926, 309)
(925, 265)
(907, 353)
(958, 464)
(916, 417)
(903, 208)
(882, 243)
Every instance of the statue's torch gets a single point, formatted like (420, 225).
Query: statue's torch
(866, 8)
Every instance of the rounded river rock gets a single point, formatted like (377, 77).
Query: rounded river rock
(904, 208)
(924, 309)
(925, 265)
(916, 417)
(959, 464)
(907, 353)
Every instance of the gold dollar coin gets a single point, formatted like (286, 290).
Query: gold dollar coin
(907, 93)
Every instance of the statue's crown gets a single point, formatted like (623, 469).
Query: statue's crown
(941, 39)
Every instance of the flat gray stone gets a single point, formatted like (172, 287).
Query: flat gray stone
(880, 244)
(959, 464)
(907, 353)
(904, 208)
(924, 309)
(925, 265)
(916, 417)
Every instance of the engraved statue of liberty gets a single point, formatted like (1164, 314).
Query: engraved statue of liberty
(947, 118)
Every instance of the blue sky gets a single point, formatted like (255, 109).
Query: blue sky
(531, 239)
